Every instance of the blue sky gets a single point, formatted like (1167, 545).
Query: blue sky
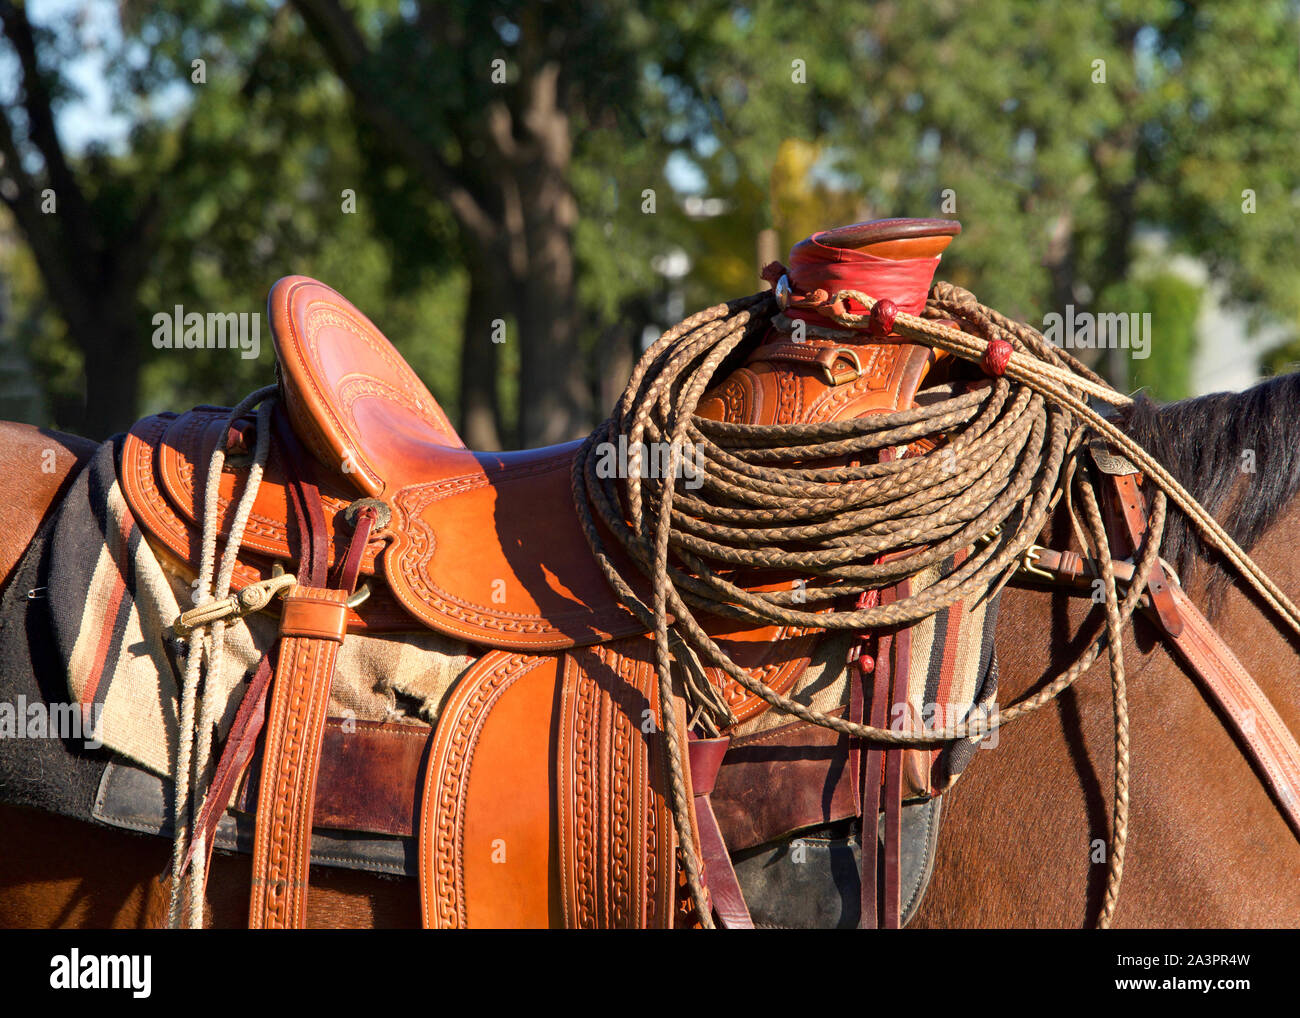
(91, 118)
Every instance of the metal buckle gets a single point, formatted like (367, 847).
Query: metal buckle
(383, 514)
(852, 355)
(1029, 562)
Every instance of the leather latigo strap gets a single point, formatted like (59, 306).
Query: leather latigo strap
(901, 658)
(312, 627)
(872, 783)
(882, 779)
(728, 899)
(1132, 512)
(1267, 740)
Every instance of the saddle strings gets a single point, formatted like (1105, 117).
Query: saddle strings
(767, 506)
(203, 663)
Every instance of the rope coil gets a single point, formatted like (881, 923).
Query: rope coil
(767, 505)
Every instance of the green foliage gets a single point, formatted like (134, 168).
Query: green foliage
(997, 113)
(1174, 304)
(798, 116)
(1281, 360)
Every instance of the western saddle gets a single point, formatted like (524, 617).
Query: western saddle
(543, 794)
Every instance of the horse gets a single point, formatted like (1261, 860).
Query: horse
(1026, 831)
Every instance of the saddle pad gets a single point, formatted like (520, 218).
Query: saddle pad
(952, 678)
(112, 605)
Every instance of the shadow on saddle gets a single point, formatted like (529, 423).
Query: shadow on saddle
(543, 754)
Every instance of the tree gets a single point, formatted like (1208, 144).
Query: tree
(239, 152)
(90, 234)
(491, 132)
(1055, 133)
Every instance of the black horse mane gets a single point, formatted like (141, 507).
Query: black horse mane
(1209, 444)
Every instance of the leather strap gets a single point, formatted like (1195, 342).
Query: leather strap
(1267, 740)
(840, 364)
(1133, 513)
(305, 503)
(311, 631)
(779, 781)
(349, 567)
(719, 876)
(900, 660)
(236, 754)
(872, 781)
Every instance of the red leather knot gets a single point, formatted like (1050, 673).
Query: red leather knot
(996, 356)
(866, 664)
(772, 272)
(881, 321)
(858, 656)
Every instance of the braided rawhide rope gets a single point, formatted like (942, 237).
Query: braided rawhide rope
(1007, 450)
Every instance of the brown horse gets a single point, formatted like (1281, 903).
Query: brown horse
(1026, 828)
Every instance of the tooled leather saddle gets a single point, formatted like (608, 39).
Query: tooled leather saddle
(542, 795)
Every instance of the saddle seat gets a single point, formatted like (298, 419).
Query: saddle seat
(484, 546)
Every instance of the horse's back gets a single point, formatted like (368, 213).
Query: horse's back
(37, 466)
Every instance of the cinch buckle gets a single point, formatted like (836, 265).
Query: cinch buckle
(1029, 562)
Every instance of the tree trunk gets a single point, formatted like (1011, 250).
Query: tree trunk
(555, 390)
(480, 401)
(113, 355)
(554, 398)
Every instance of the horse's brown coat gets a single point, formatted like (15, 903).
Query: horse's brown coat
(1207, 846)
(37, 465)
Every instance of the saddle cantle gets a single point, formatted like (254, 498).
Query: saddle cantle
(541, 738)
(483, 546)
